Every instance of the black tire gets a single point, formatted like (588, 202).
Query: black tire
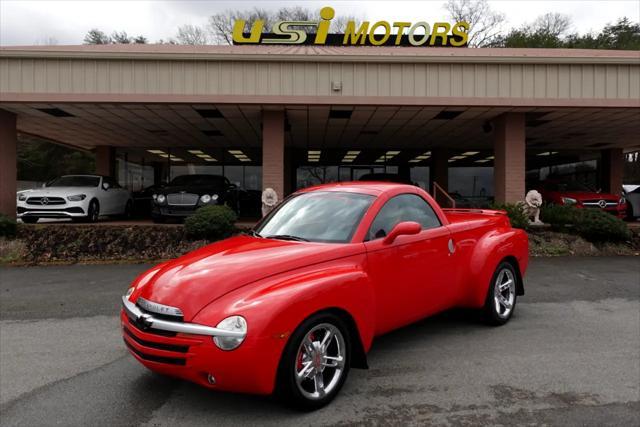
(93, 213)
(287, 388)
(30, 219)
(495, 313)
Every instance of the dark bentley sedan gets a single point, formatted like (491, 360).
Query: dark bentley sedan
(186, 193)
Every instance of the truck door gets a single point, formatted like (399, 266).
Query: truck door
(411, 275)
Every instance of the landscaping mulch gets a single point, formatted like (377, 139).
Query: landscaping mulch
(104, 243)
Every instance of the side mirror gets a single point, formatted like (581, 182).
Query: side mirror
(401, 229)
(105, 186)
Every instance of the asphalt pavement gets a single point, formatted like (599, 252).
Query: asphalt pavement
(570, 356)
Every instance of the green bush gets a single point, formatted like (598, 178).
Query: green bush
(516, 213)
(8, 226)
(599, 226)
(558, 216)
(211, 223)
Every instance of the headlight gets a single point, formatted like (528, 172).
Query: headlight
(569, 201)
(77, 197)
(154, 196)
(233, 323)
(161, 198)
(205, 198)
(622, 201)
(22, 197)
(214, 197)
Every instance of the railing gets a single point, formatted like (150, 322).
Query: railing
(437, 188)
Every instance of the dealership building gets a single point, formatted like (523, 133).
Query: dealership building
(481, 123)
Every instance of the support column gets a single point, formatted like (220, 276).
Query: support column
(8, 163)
(105, 160)
(439, 170)
(509, 164)
(273, 167)
(612, 170)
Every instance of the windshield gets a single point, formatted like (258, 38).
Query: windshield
(75, 181)
(208, 180)
(329, 216)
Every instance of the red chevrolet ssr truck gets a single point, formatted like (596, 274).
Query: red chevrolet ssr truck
(291, 306)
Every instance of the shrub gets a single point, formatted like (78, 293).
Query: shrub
(211, 223)
(8, 226)
(598, 226)
(558, 216)
(516, 213)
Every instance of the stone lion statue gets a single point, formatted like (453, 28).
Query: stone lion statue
(269, 200)
(531, 206)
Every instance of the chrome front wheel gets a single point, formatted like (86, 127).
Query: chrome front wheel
(320, 361)
(315, 362)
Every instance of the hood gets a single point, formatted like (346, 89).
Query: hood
(195, 189)
(193, 281)
(587, 195)
(58, 191)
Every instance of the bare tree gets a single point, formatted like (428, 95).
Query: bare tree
(120, 37)
(220, 25)
(552, 24)
(192, 35)
(95, 36)
(485, 24)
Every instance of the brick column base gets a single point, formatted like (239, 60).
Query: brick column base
(8, 163)
(509, 165)
(273, 167)
(612, 170)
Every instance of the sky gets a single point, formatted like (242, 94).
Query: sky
(27, 22)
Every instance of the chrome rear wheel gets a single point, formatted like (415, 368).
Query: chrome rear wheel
(504, 293)
(501, 295)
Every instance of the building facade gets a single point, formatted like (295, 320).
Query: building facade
(483, 122)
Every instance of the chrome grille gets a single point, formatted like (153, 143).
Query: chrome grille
(182, 199)
(600, 203)
(45, 201)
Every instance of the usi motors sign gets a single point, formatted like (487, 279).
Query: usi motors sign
(381, 33)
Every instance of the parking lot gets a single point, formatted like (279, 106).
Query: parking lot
(570, 356)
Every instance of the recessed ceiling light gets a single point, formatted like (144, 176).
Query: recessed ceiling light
(470, 153)
(458, 157)
(483, 161)
(155, 151)
(196, 151)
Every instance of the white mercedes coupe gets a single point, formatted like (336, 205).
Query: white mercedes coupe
(78, 197)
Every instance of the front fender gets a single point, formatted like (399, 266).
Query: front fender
(274, 307)
(490, 250)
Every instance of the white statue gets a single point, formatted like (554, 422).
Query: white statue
(531, 206)
(269, 200)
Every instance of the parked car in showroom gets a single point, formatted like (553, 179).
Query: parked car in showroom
(631, 193)
(186, 193)
(290, 307)
(77, 197)
(574, 193)
(143, 200)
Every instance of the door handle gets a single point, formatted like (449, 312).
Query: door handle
(452, 247)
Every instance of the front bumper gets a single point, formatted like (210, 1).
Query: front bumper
(187, 351)
(71, 212)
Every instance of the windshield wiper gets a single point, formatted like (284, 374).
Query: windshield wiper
(287, 237)
(253, 233)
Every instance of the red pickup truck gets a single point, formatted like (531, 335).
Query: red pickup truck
(291, 306)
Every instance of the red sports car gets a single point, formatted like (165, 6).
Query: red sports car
(292, 306)
(573, 193)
